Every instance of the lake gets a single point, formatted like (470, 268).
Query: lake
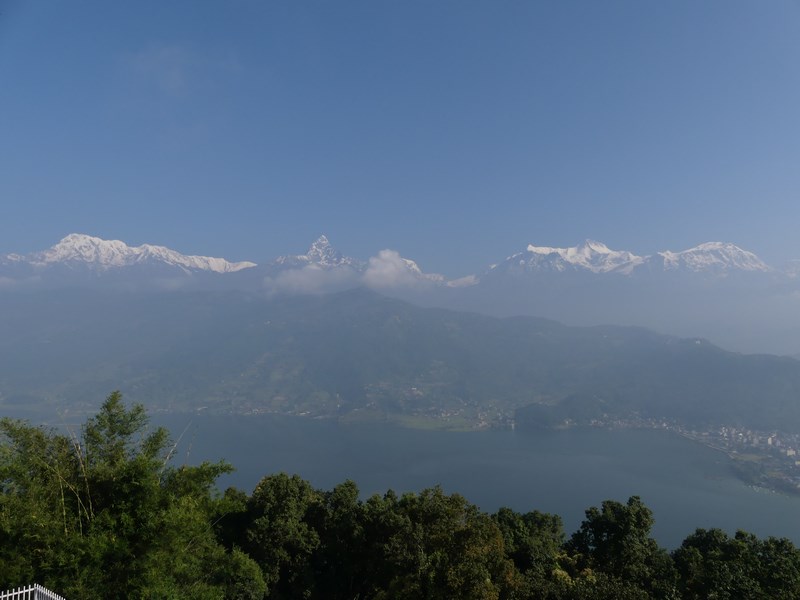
(686, 484)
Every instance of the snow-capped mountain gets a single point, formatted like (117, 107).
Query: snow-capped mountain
(79, 250)
(95, 257)
(415, 271)
(702, 291)
(591, 256)
(712, 257)
(324, 267)
(595, 257)
(321, 254)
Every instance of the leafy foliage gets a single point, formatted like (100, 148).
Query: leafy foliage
(105, 515)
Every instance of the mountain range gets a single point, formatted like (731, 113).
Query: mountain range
(361, 355)
(79, 251)
(595, 257)
(715, 290)
(308, 334)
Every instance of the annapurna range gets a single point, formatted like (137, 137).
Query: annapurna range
(715, 290)
(83, 252)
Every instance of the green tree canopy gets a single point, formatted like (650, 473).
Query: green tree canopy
(106, 516)
(615, 540)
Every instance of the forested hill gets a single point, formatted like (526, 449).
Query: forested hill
(104, 515)
(359, 355)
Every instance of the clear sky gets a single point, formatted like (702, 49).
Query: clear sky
(454, 132)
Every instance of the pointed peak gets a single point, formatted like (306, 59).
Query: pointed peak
(321, 254)
(321, 250)
(321, 247)
(321, 242)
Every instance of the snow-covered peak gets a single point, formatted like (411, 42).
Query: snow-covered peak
(84, 248)
(100, 254)
(590, 256)
(596, 257)
(413, 268)
(587, 248)
(713, 256)
(321, 254)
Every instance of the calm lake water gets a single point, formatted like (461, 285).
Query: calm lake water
(687, 485)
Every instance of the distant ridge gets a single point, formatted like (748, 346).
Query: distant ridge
(596, 257)
(591, 256)
(712, 256)
(715, 290)
(99, 254)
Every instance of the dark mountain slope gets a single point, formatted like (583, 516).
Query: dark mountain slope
(359, 354)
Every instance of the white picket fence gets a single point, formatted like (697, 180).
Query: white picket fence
(31, 592)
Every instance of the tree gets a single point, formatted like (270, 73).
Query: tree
(615, 540)
(450, 550)
(713, 565)
(534, 543)
(106, 516)
(343, 564)
(279, 535)
(41, 504)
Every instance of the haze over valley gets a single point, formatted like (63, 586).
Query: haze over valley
(325, 335)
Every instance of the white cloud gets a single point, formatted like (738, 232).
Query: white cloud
(311, 280)
(467, 281)
(389, 269)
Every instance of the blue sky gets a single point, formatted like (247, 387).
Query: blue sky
(453, 132)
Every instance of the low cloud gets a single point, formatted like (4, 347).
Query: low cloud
(311, 280)
(461, 282)
(390, 270)
(384, 272)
